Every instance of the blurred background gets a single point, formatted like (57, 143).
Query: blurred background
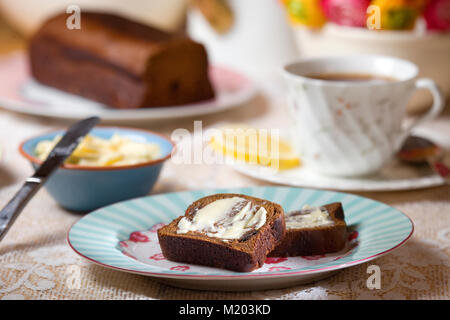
(258, 36)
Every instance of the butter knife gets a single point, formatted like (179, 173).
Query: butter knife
(56, 158)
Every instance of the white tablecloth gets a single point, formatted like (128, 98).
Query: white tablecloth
(37, 263)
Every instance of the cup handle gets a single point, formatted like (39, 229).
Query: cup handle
(433, 112)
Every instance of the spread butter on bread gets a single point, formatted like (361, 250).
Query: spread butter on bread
(230, 231)
(313, 231)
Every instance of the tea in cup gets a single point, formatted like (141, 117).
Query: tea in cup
(348, 111)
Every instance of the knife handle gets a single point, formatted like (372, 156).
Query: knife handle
(10, 212)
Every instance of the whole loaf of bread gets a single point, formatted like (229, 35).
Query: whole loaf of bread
(119, 62)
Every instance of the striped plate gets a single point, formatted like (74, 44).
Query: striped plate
(123, 237)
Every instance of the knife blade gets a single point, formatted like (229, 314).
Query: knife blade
(55, 159)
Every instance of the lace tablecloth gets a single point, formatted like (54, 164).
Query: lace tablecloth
(37, 263)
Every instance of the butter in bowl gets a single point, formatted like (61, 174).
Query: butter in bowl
(111, 164)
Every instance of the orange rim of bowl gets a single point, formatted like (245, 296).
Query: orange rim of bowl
(102, 168)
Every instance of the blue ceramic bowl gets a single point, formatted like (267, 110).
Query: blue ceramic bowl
(85, 188)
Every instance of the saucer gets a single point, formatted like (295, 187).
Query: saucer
(395, 176)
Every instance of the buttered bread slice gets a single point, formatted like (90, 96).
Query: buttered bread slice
(230, 231)
(313, 231)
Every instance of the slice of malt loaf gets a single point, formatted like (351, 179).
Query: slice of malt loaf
(244, 254)
(314, 240)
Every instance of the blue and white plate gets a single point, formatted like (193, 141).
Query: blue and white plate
(123, 237)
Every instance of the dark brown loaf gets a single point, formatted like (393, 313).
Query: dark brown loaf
(317, 240)
(239, 255)
(119, 62)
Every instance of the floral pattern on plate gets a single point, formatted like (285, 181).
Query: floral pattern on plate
(144, 247)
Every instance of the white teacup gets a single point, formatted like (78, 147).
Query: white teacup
(351, 128)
